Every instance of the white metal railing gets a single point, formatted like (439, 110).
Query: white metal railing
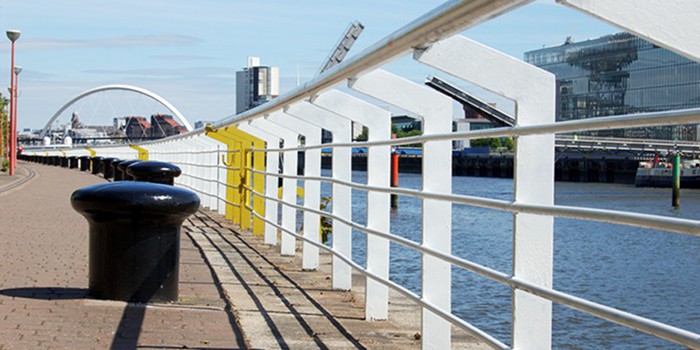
(316, 105)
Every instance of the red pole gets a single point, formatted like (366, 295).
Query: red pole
(12, 140)
(394, 179)
(14, 116)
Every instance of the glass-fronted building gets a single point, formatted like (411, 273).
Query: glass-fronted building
(621, 74)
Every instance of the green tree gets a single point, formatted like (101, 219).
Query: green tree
(491, 143)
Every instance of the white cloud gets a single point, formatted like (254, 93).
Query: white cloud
(124, 41)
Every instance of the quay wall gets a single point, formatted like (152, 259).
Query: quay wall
(574, 168)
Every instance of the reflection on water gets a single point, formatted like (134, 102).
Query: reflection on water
(649, 273)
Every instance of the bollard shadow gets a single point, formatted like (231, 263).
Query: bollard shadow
(46, 293)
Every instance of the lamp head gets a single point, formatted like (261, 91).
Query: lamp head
(18, 69)
(13, 34)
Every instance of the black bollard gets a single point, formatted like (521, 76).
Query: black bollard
(84, 163)
(107, 170)
(122, 168)
(134, 238)
(96, 163)
(156, 172)
(64, 162)
(72, 162)
(115, 170)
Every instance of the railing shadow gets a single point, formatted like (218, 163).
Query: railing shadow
(297, 315)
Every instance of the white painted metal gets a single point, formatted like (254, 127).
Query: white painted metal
(534, 93)
(271, 167)
(378, 121)
(436, 112)
(341, 129)
(312, 189)
(289, 186)
(672, 24)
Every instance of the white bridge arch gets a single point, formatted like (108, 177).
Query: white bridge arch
(136, 89)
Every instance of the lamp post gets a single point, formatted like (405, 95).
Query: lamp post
(13, 35)
(15, 137)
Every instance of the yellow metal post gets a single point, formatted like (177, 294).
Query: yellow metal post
(254, 160)
(92, 151)
(143, 153)
(232, 161)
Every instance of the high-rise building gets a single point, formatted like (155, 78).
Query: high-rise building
(255, 85)
(621, 74)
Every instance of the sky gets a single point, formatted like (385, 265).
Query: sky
(188, 51)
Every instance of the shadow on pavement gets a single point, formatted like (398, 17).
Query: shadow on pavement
(46, 293)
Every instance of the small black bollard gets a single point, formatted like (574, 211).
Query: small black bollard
(156, 172)
(84, 163)
(134, 238)
(121, 166)
(107, 170)
(56, 161)
(72, 162)
(96, 163)
(64, 162)
(115, 170)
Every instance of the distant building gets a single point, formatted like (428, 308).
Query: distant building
(201, 123)
(136, 127)
(621, 74)
(163, 125)
(255, 85)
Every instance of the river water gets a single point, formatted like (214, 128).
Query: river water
(650, 273)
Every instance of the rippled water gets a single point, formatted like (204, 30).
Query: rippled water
(649, 273)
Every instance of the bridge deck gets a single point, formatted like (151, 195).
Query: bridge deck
(235, 292)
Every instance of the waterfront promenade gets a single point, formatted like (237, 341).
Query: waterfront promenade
(235, 292)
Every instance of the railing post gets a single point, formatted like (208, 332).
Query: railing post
(312, 189)
(289, 186)
(341, 129)
(534, 93)
(378, 121)
(272, 166)
(436, 111)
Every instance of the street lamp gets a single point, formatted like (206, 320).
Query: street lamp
(13, 35)
(18, 69)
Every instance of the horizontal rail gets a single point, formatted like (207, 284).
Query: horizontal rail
(650, 221)
(642, 324)
(466, 326)
(684, 116)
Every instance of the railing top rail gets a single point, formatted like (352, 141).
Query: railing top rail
(437, 24)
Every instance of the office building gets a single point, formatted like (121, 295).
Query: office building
(255, 85)
(621, 74)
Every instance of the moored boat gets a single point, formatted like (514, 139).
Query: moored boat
(660, 174)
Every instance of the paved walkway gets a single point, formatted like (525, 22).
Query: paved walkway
(235, 292)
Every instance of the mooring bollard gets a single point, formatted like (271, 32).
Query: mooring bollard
(134, 238)
(121, 166)
(72, 162)
(96, 164)
(156, 172)
(115, 170)
(64, 162)
(107, 170)
(84, 163)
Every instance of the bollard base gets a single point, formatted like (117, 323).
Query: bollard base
(141, 265)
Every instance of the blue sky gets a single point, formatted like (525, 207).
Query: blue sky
(188, 51)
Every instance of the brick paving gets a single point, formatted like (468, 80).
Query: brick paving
(44, 278)
(235, 291)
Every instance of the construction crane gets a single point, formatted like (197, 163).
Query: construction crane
(344, 44)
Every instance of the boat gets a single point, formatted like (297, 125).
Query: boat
(659, 174)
